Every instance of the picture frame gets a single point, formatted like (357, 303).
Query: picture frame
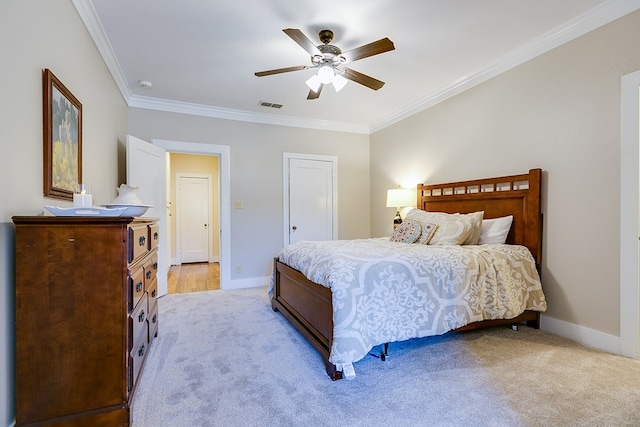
(62, 130)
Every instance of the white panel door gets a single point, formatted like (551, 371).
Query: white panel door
(193, 217)
(146, 169)
(311, 200)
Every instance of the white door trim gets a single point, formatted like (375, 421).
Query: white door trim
(209, 178)
(285, 189)
(630, 216)
(224, 151)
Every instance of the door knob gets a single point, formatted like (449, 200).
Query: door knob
(294, 228)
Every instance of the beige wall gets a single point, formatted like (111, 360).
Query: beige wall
(51, 35)
(35, 35)
(190, 163)
(559, 112)
(256, 152)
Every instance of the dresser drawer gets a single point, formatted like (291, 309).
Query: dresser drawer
(152, 293)
(150, 269)
(138, 241)
(154, 236)
(137, 355)
(138, 317)
(153, 320)
(136, 287)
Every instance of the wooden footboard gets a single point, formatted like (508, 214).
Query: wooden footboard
(308, 308)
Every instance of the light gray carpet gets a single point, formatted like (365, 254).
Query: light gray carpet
(224, 358)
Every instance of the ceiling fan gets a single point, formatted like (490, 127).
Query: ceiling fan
(330, 60)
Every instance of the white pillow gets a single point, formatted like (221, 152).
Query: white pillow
(476, 224)
(495, 230)
(453, 229)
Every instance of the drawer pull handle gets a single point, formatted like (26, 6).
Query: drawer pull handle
(149, 274)
(139, 286)
(141, 317)
(141, 351)
(155, 265)
(142, 240)
(153, 293)
(155, 318)
(155, 236)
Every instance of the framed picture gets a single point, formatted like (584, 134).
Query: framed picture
(62, 138)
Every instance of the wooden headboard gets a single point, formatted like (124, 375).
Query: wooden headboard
(517, 195)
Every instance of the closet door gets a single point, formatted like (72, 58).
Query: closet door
(312, 200)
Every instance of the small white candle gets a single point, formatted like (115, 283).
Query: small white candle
(82, 200)
(82, 197)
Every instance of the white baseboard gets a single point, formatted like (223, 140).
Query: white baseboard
(252, 282)
(586, 336)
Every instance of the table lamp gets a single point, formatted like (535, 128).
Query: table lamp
(400, 198)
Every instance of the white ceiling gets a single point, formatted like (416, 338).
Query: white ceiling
(201, 55)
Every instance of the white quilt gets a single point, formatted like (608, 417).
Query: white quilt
(387, 291)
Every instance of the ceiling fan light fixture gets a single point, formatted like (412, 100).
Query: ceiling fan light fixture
(314, 83)
(339, 82)
(326, 74)
(328, 59)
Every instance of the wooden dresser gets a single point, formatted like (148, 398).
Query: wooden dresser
(86, 313)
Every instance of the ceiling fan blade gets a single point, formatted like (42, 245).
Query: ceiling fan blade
(299, 37)
(281, 70)
(373, 48)
(363, 79)
(315, 95)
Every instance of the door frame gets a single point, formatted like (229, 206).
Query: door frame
(285, 189)
(224, 153)
(210, 231)
(630, 216)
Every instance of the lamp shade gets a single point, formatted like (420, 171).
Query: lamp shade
(339, 82)
(314, 83)
(401, 197)
(325, 74)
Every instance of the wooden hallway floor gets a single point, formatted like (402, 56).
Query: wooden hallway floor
(193, 277)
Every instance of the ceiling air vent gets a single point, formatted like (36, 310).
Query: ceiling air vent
(269, 104)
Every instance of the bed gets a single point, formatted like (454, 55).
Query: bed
(309, 306)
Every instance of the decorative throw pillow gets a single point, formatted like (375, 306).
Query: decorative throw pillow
(453, 229)
(428, 226)
(407, 232)
(476, 224)
(495, 230)
(428, 230)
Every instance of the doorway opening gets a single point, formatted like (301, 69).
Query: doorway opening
(222, 153)
(194, 219)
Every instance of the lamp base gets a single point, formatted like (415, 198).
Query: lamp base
(397, 220)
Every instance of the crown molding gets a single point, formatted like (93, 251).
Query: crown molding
(158, 104)
(90, 19)
(588, 21)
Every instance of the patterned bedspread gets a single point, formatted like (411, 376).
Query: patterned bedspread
(386, 291)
